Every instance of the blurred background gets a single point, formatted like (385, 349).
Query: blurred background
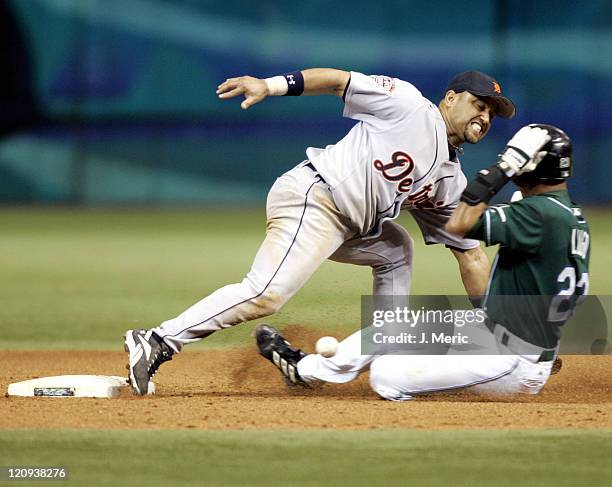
(108, 102)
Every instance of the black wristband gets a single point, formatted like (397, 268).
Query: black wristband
(295, 83)
(486, 185)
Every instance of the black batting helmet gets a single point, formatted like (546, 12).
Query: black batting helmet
(556, 166)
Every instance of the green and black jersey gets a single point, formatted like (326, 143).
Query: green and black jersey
(541, 270)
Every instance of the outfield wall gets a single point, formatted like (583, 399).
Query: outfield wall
(113, 101)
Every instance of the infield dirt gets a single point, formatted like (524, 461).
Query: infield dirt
(237, 389)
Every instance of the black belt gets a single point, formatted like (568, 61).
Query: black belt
(311, 166)
(518, 345)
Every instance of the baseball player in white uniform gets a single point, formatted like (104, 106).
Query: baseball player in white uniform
(339, 203)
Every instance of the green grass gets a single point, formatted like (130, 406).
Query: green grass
(79, 278)
(74, 279)
(356, 458)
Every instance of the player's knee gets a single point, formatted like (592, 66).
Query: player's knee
(389, 392)
(264, 303)
(267, 303)
(399, 256)
(407, 249)
(383, 382)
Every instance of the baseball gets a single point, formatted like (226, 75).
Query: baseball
(327, 346)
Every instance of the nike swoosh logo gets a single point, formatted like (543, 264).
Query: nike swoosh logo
(145, 346)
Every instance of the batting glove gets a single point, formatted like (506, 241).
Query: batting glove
(523, 151)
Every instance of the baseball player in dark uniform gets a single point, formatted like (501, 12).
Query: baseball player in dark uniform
(538, 277)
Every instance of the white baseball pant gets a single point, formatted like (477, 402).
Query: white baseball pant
(304, 228)
(402, 377)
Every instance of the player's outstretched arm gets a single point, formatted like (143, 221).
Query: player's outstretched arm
(522, 154)
(315, 81)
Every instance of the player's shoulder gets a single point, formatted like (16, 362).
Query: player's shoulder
(530, 205)
(410, 93)
(388, 84)
(554, 207)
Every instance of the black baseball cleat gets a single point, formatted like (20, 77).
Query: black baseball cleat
(147, 352)
(279, 351)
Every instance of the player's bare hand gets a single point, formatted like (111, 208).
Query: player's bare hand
(253, 89)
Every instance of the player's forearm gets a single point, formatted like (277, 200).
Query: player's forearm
(319, 81)
(475, 199)
(464, 218)
(474, 266)
(313, 81)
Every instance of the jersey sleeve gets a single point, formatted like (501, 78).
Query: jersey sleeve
(379, 100)
(517, 226)
(431, 223)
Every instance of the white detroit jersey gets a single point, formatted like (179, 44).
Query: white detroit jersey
(396, 156)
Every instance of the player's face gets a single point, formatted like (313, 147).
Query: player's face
(471, 117)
